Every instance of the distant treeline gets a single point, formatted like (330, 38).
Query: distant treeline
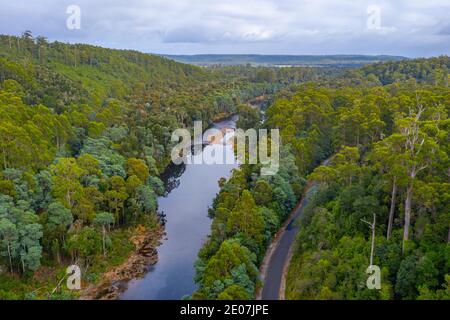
(282, 60)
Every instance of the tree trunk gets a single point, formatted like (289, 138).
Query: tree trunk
(10, 260)
(408, 200)
(392, 208)
(373, 238)
(68, 198)
(357, 137)
(23, 265)
(4, 159)
(104, 239)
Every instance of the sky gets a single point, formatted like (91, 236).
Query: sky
(412, 28)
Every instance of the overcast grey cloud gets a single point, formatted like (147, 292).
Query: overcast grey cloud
(407, 27)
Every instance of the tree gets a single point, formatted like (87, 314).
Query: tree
(66, 184)
(245, 219)
(406, 278)
(234, 292)
(386, 156)
(41, 43)
(419, 151)
(133, 182)
(346, 164)
(43, 190)
(143, 202)
(262, 193)
(271, 220)
(138, 168)
(89, 165)
(59, 218)
(116, 196)
(9, 239)
(30, 233)
(105, 220)
(157, 185)
(110, 161)
(15, 145)
(84, 244)
(115, 201)
(324, 175)
(248, 117)
(352, 124)
(230, 255)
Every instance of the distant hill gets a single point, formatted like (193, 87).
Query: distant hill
(283, 60)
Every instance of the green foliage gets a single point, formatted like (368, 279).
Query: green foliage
(85, 133)
(232, 264)
(248, 117)
(390, 160)
(433, 71)
(84, 244)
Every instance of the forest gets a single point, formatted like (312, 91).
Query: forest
(85, 137)
(385, 129)
(390, 160)
(85, 134)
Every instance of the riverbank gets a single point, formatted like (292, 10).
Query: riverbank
(115, 281)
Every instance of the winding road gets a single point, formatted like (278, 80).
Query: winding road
(275, 265)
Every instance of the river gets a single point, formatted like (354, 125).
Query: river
(191, 189)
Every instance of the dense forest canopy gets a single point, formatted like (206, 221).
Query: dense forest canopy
(385, 129)
(85, 136)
